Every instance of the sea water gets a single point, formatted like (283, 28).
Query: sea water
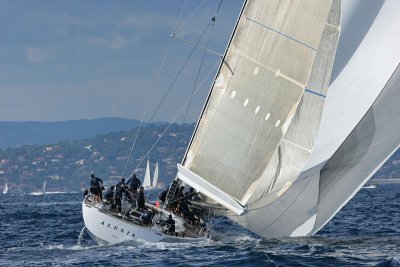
(48, 230)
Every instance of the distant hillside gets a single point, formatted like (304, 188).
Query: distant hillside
(14, 134)
(66, 165)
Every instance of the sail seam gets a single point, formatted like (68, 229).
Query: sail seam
(276, 72)
(297, 145)
(315, 93)
(281, 33)
(333, 26)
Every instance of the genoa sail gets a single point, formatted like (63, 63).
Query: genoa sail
(257, 91)
(352, 144)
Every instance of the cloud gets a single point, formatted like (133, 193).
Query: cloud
(117, 42)
(146, 21)
(37, 55)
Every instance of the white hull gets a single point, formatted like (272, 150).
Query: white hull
(39, 193)
(107, 228)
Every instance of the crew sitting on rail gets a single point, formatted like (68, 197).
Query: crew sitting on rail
(109, 195)
(170, 226)
(147, 217)
(183, 210)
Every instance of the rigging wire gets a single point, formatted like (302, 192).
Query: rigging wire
(205, 50)
(202, 61)
(176, 116)
(156, 80)
(188, 19)
(173, 83)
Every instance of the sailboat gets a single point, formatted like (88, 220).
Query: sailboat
(5, 189)
(149, 183)
(147, 178)
(274, 150)
(40, 192)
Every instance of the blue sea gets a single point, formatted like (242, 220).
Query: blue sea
(48, 230)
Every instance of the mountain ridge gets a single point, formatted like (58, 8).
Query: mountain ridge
(17, 133)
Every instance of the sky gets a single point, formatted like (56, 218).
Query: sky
(84, 59)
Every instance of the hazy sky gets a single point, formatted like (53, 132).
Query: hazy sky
(66, 60)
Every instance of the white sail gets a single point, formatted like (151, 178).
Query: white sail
(256, 94)
(146, 181)
(155, 176)
(296, 147)
(273, 145)
(40, 192)
(358, 131)
(5, 189)
(44, 187)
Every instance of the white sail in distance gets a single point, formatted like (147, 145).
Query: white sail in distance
(5, 189)
(146, 181)
(155, 176)
(44, 187)
(256, 93)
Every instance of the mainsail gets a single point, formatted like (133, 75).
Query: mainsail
(257, 91)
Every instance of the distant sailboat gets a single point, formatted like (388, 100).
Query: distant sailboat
(40, 192)
(370, 186)
(5, 190)
(146, 181)
(147, 184)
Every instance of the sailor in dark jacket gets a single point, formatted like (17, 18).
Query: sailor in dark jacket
(163, 195)
(140, 201)
(170, 225)
(118, 195)
(109, 194)
(96, 186)
(147, 216)
(134, 183)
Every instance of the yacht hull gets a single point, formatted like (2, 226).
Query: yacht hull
(106, 228)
